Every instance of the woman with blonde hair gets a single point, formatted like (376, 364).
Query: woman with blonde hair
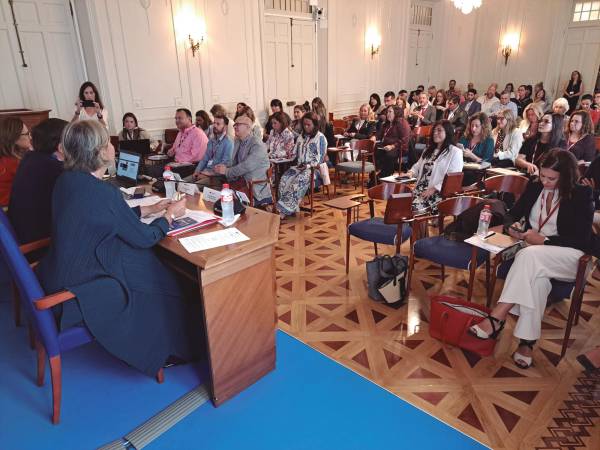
(507, 139)
(531, 118)
(362, 127)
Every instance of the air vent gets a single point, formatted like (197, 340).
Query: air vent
(293, 6)
(420, 15)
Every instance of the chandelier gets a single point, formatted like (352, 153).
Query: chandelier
(466, 6)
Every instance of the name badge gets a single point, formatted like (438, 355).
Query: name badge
(210, 195)
(188, 188)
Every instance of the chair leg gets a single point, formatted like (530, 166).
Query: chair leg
(347, 250)
(335, 181)
(472, 270)
(16, 304)
(411, 263)
(375, 245)
(443, 271)
(41, 362)
(160, 376)
(488, 298)
(31, 335)
(56, 374)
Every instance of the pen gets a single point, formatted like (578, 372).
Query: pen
(489, 235)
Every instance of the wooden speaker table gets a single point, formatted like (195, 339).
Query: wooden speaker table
(29, 117)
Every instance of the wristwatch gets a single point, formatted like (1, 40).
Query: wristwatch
(99, 116)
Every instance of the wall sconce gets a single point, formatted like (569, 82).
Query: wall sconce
(190, 28)
(195, 46)
(373, 41)
(509, 43)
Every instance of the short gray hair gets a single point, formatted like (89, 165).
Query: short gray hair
(82, 143)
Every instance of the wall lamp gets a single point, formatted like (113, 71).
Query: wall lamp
(373, 41)
(190, 28)
(195, 45)
(510, 42)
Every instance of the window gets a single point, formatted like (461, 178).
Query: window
(294, 6)
(586, 11)
(420, 15)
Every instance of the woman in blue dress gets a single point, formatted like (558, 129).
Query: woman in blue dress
(311, 148)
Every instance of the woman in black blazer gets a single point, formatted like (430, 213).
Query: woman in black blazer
(364, 126)
(554, 217)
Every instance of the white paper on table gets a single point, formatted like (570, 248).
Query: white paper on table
(128, 191)
(146, 201)
(339, 136)
(213, 239)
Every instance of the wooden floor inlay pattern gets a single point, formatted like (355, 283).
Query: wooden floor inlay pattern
(549, 406)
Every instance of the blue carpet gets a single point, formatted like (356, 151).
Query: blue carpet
(308, 402)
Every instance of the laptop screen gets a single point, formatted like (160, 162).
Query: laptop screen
(128, 165)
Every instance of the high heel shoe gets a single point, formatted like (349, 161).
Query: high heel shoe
(522, 361)
(476, 331)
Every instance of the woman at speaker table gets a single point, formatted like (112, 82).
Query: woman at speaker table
(132, 132)
(558, 231)
(550, 135)
(131, 303)
(89, 106)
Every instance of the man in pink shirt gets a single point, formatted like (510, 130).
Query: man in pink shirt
(190, 143)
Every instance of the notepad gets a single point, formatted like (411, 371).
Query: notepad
(146, 201)
(213, 239)
(495, 243)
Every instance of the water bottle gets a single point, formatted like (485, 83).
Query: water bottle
(227, 203)
(485, 218)
(169, 180)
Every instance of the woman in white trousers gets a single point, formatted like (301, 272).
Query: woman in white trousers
(557, 226)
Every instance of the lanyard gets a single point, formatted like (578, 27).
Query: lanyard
(550, 214)
(576, 142)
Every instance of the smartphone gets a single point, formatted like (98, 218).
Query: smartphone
(139, 192)
(518, 230)
(87, 104)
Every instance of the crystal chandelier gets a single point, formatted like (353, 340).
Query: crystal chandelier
(466, 6)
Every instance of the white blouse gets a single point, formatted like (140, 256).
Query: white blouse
(550, 227)
(83, 115)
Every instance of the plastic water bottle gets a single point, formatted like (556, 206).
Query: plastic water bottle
(227, 203)
(169, 180)
(485, 218)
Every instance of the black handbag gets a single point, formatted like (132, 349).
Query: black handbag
(386, 278)
(239, 207)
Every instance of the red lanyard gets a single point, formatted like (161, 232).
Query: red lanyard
(550, 214)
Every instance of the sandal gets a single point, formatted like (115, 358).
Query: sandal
(522, 361)
(476, 331)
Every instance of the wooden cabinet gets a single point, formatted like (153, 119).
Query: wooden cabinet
(30, 117)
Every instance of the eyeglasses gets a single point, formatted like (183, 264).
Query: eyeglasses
(501, 118)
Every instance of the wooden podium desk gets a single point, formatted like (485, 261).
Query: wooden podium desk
(237, 290)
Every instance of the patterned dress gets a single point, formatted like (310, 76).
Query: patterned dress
(420, 203)
(281, 145)
(296, 180)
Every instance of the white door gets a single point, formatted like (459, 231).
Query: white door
(290, 55)
(419, 58)
(582, 53)
(54, 69)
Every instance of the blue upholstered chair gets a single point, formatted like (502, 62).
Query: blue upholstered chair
(391, 229)
(560, 290)
(49, 341)
(362, 166)
(445, 252)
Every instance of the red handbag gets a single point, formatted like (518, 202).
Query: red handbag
(450, 320)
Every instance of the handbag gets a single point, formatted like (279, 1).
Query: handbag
(386, 278)
(324, 171)
(450, 320)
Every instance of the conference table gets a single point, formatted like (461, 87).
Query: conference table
(236, 285)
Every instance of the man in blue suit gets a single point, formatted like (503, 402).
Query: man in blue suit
(471, 105)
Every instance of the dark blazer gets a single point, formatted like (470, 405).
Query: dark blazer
(459, 119)
(429, 113)
(521, 104)
(30, 207)
(131, 303)
(474, 108)
(584, 149)
(366, 130)
(396, 134)
(574, 221)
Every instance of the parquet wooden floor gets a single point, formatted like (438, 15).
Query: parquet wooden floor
(549, 406)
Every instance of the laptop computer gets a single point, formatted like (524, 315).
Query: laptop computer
(128, 169)
(140, 146)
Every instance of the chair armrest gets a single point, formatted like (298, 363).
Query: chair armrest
(54, 299)
(582, 265)
(35, 245)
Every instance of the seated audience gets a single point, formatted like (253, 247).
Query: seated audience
(280, 144)
(424, 113)
(88, 92)
(431, 92)
(488, 100)
(245, 110)
(374, 102)
(299, 111)
(523, 98)
(581, 141)
(455, 114)
(531, 117)
(510, 88)
(451, 89)
(325, 127)
(276, 106)
(557, 214)
(401, 103)
(477, 143)
(393, 139)
(219, 110)
(550, 135)
(439, 158)
(203, 121)
(471, 105)
(132, 132)
(219, 150)
(507, 140)
(540, 99)
(502, 105)
(249, 162)
(30, 207)
(439, 103)
(403, 94)
(586, 105)
(131, 303)
(413, 100)
(560, 106)
(389, 99)
(311, 148)
(15, 142)
(364, 126)
(190, 143)
(596, 105)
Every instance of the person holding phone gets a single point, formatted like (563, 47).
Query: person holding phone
(557, 214)
(89, 106)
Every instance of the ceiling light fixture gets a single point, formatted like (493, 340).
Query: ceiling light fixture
(466, 6)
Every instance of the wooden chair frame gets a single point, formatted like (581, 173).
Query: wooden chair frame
(366, 151)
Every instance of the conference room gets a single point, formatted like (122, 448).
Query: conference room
(299, 224)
